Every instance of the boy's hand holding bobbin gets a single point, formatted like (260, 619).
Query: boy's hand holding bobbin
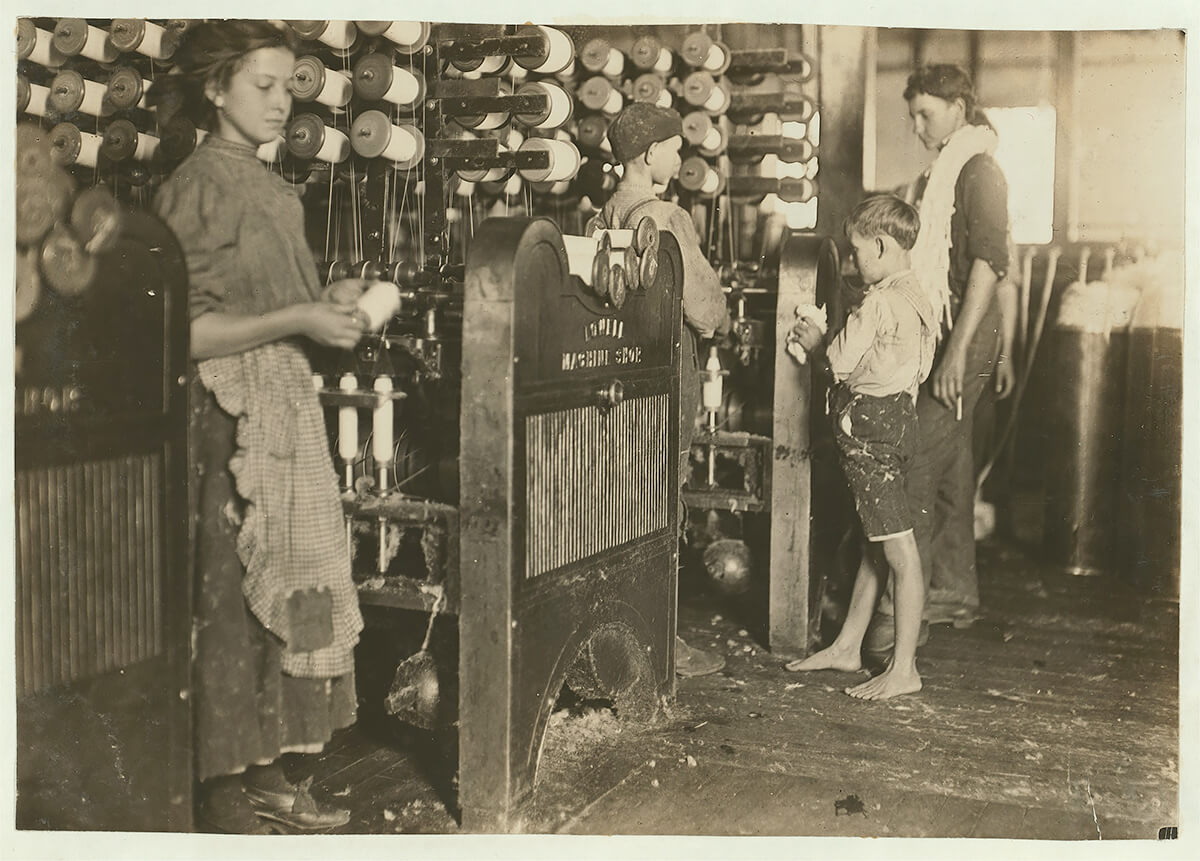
(808, 331)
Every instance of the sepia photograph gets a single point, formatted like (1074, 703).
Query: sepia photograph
(670, 425)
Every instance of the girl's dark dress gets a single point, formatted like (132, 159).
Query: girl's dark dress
(276, 616)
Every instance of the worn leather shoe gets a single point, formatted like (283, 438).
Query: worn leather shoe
(298, 810)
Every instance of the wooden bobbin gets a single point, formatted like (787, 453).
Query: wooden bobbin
(601, 58)
(559, 106)
(374, 135)
(71, 93)
(37, 45)
(338, 35)
(407, 37)
(649, 54)
(71, 146)
(147, 38)
(700, 51)
(559, 51)
(312, 81)
(308, 138)
(123, 141)
(75, 37)
(126, 90)
(564, 160)
(377, 79)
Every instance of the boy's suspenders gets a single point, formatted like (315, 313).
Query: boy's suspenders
(627, 220)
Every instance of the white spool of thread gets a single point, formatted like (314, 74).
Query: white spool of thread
(348, 422)
(560, 53)
(269, 151)
(491, 65)
(404, 89)
(665, 99)
(494, 120)
(147, 145)
(405, 33)
(581, 251)
(564, 160)
(715, 59)
(615, 65)
(339, 35)
(379, 304)
(151, 44)
(712, 181)
(44, 53)
(381, 422)
(466, 187)
(318, 382)
(717, 101)
(664, 62)
(403, 144)
(89, 149)
(337, 90)
(97, 47)
(93, 98)
(38, 97)
(559, 106)
(614, 103)
(712, 140)
(336, 147)
(512, 185)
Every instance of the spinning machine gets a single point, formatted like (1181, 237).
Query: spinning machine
(506, 432)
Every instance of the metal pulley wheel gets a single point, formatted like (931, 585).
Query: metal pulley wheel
(617, 286)
(66, 265)
(29, 283)
(600, 266)
(633, 278)
(648, 269)
(96, 219)
(645, 237)
(42, 201)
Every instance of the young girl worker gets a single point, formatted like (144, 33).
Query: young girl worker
(878, 362)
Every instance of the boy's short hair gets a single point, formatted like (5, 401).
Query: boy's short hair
(885, 215)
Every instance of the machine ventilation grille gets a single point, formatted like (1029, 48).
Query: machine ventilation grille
(89, 569)
(594, 480)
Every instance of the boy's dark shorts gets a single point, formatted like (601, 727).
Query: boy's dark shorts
(876, 439)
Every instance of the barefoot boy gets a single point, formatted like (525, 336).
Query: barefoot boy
(878, 360)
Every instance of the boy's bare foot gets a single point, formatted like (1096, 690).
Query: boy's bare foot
(832, 658)
(890, 683)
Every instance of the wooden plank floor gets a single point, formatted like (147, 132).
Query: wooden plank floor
(1056, 716)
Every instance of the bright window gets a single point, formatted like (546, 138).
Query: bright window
(1026, 155)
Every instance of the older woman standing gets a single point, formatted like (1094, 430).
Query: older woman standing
(961, 253)
(276, 614)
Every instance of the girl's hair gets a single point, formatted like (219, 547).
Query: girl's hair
(211, 52)
(947, 82)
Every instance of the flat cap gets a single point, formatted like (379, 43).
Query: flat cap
(640, 125)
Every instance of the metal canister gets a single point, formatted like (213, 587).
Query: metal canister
(1149, 514)
(1089, 347)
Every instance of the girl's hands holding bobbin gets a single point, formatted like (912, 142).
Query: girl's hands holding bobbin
(331, 324)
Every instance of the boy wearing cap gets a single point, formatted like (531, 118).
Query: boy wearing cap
(646, 139)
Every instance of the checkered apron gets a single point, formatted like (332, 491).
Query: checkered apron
(291, 538)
